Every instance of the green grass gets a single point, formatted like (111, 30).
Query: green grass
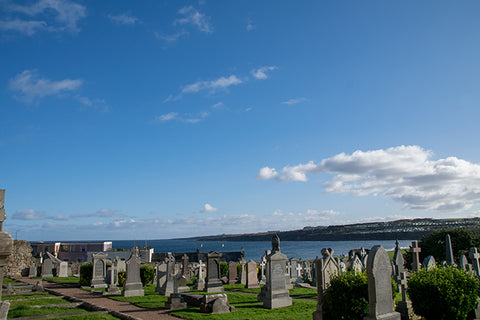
(391, 253)
(97, 316)
(27, 311)
(151, 299)
(8, 280)
(27, 296)
(36, 302)
(238, 287)
(67, 280)
(303, 293)
(247, 307)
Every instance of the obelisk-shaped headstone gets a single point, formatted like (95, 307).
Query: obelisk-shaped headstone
(449, 251)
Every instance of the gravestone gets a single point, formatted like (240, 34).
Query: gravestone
(463, 262)
(398, 263)
(161, 271)
(326, 268)
(429, 263)
(47, 268)
(274, 293)
(404, 307)
(356, 264)
(185, 266)
(415, 250)
(62, 269)
(379, 272)
(252, 280)
(99, 270)
(200, 285)
(182, 283)
(6, 248)
(475, 257)
(133, 284)
(363, 257)
(175, 300)
(243, 271)
(449, 252)
(232, 273)
(32, 271)
(112, 287)
(121, 265)
(263, 263)
(169, 285)
(213, 282)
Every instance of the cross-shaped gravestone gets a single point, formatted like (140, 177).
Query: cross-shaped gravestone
(185, 265)
(299, 270)
(475, 256)
(200, 270)
(403, 286)
(415, 250)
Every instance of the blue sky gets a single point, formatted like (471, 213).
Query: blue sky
(162, 119)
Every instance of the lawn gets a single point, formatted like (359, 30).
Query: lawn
(8, 280)
(66, 280)
(28, 311)
(27, 296)
(151, 299)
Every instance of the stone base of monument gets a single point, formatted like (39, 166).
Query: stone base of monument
(98, 284)
(133, 290)
(216, 303)
(175, 301)
(406, 311)
(387, 316)
(112, 289)
(213, 287)
(4, 306)
(277, 300)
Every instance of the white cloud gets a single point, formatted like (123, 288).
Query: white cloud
(194, 17)
(295, 101)
(123, 19)
(261, 74)
(207, 208)
(267, 173)
(405, 174)
(31, 87)
(98, 104)
(171, 37)
(28, 214)
(250, 26)
(167, 117)
(218, 105)
(213, 85)
(66, 15)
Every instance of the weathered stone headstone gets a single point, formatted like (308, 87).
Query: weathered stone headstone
(99, 270)
(32, 271)
(175, 300)
(449, 251)
(274, 293)
(363, 257)
(463, 262)
(232, 272)
(356, 264)
(252, 280)
(398, 263)
(200, 284)
(161, 271)
(243, 271)
(133, 284)
(6, 248)
(263, 264)
(326, 268)
(47, 268)
(429, 263)
(185, 266)
(379, 271)
(475, 257)
(213, 282)
(112, 287)
(62, 269)
(404, 307)
(169, 285)
(415, 250)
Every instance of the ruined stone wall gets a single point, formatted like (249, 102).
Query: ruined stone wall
(20, 260)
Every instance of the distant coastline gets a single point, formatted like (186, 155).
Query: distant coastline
(404, 229)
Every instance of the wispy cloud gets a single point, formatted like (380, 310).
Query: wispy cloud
(171, 37)
(186, 117)
(261, 73)
(50, 15)
(192, 16)
(207, 208)
(405, 174)
(295, 101)
(123, 18)
(97, 104)
(30, 86)
(213, 85)
(31, 214)
(250, 26)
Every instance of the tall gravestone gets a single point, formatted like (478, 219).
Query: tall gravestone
(449, 252)
(274, 293)
(252, 280)
(47, 268)
(133, 284)
(232, 272)
(379, 272)
(200, 285)
(415, 250)
(62, 269)
(6, 248)
(185, 266)
(326, 268)
(168, 286)
(475, 257)
(161, 271)
(99, 270)
(112, 287)
(243, 271)
(213, 282)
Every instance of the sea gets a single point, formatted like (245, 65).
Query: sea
(305, 250)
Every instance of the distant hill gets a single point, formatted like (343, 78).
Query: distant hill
(399, 229)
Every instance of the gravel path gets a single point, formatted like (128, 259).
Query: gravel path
(125, 308)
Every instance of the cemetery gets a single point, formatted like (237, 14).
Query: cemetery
(436, 278)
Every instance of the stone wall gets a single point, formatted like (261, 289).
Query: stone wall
(20, 260)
